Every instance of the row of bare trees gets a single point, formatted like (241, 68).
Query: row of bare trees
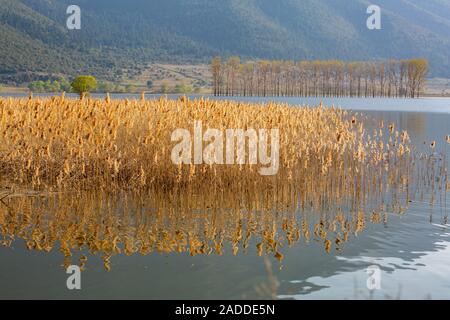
(394, 78)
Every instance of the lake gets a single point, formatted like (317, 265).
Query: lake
(408, 248)
(428, 104)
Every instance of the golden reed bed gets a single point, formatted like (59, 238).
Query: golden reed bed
(98, 175)
(119, 144)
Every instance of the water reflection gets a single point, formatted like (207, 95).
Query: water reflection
(412, 254)
(199, 223)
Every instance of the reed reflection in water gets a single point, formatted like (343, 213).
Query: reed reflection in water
(262, 222)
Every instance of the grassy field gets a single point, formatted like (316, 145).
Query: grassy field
(169, 76)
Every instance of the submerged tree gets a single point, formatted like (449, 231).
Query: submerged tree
(403, 78)
(216, 67)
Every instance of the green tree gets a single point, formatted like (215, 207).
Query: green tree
(104, 87)
(52, 86)
(37, 86)
(65, 85)
(183, 88)
(84, 84)
(164, 88)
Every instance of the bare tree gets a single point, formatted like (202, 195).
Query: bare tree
(403, 78)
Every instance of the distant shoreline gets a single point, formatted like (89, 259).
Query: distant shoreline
(25, 92)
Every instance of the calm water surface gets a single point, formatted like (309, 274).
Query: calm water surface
(435, 104)
(412, 249)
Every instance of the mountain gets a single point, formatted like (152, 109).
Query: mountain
(118, 37)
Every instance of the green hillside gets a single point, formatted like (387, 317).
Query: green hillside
(121, 36)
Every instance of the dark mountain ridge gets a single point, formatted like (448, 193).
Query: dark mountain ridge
(124, 35)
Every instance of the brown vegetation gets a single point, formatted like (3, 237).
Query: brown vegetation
(59, 143)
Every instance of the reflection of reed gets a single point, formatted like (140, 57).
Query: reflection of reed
(204, 222)
(415, 123)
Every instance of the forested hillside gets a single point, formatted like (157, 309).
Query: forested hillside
(121, 36)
